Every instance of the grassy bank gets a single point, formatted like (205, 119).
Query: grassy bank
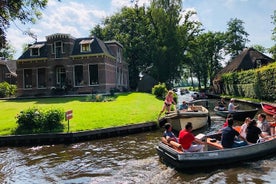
(129, 108)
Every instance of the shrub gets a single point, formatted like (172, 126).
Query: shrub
(53, 119)
(100, 98)
(159, 90)
(30, 120)
(34, 120)
(7, 89)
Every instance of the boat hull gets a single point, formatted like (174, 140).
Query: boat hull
(215, 158)
(179, 119)
(269, 109)
(239, 115)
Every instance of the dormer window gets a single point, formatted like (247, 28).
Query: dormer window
(35, 49)
(85, 45)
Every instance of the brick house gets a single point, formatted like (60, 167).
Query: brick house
(66, 65)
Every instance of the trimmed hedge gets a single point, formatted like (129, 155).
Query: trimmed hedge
(258, 83)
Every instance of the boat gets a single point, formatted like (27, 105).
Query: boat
(214, 155)
(238, 115)
(269, 108)
(197, 114)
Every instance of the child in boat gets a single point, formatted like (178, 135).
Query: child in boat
(167, 103)
(184, 106)
(244, 127)
(168, 134)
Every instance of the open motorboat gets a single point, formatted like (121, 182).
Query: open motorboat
(214, 155)
(239, 115)
(197, 114)
(269, 108)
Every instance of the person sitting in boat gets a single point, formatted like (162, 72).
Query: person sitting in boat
(263, 124)
(168, 134)
(231, 106)
(186, 138)
(228, 136)
(273, 125)
(183, 106)
(222, 105)
(244, 127)
(225, 124)
(253, 132)
(167, 103)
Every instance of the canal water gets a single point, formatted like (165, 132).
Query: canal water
(121, 160)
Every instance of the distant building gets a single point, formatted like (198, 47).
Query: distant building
(248, 59)
(66, 65)
(7, 71)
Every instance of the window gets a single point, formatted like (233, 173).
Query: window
(78, 71)
(93, 73)
(35, 49)
(60, 76)
(58, 49)
(41, 78)
(27, 78)
(85, 47)
(35, 52)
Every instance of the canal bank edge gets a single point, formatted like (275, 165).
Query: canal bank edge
(74, 137)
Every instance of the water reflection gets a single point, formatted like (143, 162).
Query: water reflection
(128, 159)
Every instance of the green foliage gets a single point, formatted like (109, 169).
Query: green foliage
(236, 37)
(259, 83)
(128, 108)
(22, 10)
(53, 119)
(100, 98)
(35, 120)
(159, 90)
(7, 90)
(154, 39)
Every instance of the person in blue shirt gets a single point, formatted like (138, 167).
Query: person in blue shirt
(228, 136)
(183, 106)
(168, 134)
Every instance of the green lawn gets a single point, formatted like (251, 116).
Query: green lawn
(128, 108)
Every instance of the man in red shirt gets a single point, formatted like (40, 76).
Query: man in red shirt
(186, 139)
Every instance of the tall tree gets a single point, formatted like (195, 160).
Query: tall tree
(132, 29)
(272, 50)
(236, 37)
(7, 52)
(22, 10)
(205, 55)
(153, 38)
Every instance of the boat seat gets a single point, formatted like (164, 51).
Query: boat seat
(173, 144)
(215, 144)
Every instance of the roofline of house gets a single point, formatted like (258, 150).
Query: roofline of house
(86, 55)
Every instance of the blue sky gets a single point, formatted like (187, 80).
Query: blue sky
(78, 17)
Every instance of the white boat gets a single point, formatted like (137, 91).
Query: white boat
(198, 115)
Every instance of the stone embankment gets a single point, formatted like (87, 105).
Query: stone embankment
(73, 137)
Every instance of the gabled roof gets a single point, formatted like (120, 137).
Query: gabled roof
(10, 64)
(248, 59)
